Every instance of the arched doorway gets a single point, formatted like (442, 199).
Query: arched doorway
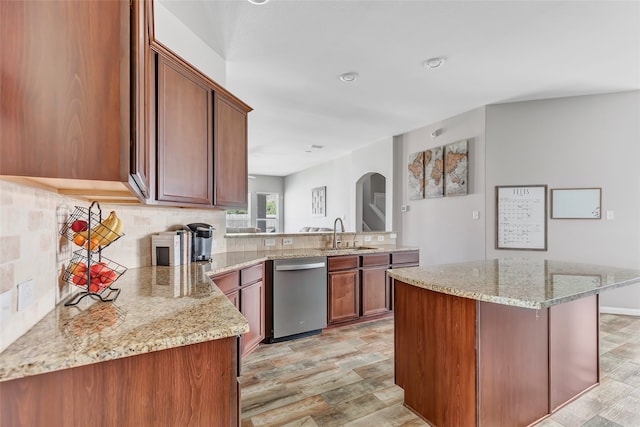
(371, 202)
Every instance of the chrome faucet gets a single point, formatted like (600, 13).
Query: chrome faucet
(335, 226)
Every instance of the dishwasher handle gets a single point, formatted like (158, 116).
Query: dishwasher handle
(294, 267)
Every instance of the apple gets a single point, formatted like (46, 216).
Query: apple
(107, 277)
(98, 267)
(79, 225)
(94, 287)
(80, 280)
(78, 268)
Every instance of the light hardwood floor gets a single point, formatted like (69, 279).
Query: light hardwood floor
(344, 377)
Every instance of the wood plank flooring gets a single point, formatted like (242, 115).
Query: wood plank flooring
(344, 377)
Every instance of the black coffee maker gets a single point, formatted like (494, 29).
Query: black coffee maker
(201, 241)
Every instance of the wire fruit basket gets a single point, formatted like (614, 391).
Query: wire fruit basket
(88, 269)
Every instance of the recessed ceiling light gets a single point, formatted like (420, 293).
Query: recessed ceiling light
(349, 77)
(432, 63)
(258, 2)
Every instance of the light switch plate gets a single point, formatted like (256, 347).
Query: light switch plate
(380, 238)
(269, 242)
(609, 214)
(476, 214)
(367, 238)
(26, 294)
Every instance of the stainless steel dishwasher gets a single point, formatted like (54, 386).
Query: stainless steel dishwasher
(299, 297)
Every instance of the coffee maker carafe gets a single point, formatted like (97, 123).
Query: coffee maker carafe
(202, 238)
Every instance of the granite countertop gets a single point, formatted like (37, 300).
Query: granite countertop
(519, 282)
(158, 308)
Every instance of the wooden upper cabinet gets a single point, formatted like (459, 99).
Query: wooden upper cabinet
(65, 89)
(66, 76)
(184, 135)
(230, 153)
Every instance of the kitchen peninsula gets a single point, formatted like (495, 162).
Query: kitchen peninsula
(164, 353)
(501, 342)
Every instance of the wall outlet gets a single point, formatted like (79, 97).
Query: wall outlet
(609, 214)
(287, 241)
(367, 238)
(5, 304)
(26, 294)
(404, 208)
(269, 242)
(393, 236)
(380, 238)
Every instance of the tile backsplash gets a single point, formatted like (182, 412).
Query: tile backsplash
(31, 248)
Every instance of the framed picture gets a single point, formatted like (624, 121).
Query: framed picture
(319, 201)
(576, 203)
(433, 173)
(521, 217)
(456, 168)
(415, 187)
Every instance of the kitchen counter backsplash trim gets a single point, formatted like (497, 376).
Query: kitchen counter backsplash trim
(159, 308)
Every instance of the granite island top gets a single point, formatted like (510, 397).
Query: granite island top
(519, 282)
(158, 308)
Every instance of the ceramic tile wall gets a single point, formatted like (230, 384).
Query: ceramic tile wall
(31, 248)
(302, 241)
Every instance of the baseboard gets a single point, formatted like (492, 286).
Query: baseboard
(618, 310)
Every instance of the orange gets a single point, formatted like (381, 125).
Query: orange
(79, 239)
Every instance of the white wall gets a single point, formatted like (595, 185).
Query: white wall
(340, 177)
(171, 32)
(586, 141)
(443, 228)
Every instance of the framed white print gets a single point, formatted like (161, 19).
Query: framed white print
(576, 203)
(319, 201)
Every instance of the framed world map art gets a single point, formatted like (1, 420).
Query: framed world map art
(415, 189)
(456, 168)
(433, 173)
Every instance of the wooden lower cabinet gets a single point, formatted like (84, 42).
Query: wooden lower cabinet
(344, 296)
(246, 290)
(375, 291)
(195, 385)
(252, 307)
(464, 363)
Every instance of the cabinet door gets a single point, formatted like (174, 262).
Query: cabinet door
(185, 138)
(234, 297)
(140, 90)
(344, 296)
(230, 157)
(375, 292)
(252, 307)
(65, 101)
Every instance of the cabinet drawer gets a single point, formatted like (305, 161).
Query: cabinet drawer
(342, 262)
(409, 257)
(228, 281)
(250, 274)
(375, 259)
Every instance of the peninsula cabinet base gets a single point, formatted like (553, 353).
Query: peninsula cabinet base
(194, 385)
(463, 362)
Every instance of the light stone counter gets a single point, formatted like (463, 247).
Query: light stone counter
(519, 282)
(158, 308)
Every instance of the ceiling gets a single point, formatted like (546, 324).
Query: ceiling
(284, 59)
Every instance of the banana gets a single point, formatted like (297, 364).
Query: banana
(102, 231)
(115, 227)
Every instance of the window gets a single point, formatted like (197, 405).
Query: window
(267, 212)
